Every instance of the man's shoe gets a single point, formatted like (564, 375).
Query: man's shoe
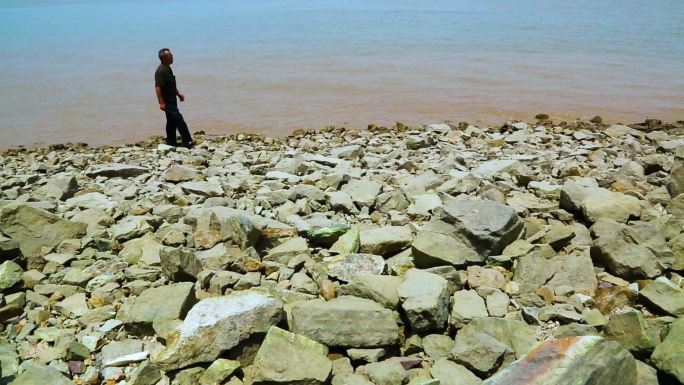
(188, 145)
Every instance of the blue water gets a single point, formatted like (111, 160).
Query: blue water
(82, 70)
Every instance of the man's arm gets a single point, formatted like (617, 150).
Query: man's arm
(162, 105)
(180, 95)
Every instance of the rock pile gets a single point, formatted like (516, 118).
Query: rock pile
(444, 254)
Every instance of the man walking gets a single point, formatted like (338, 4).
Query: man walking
(165, 87)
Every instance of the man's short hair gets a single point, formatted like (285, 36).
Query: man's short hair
(162, 53)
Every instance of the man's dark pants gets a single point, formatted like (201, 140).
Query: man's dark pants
(174, 120)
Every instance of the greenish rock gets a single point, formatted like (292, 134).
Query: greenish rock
(676, 183)
(218, 371)
(379, 288)
(466, 306)
(346, 267)
(40, 374)
(593, 202)
(159, 303)
(188, 376)
(437, 346)
(424, 299)
(587, 360)
(9, 359)
(350, 379)
(241, 231)
(574, 330)
(288, 250)
(10, 274)
(435, 246)
(630, 330)
(388, 372)
(481, 353)
(73, 306)
(347, 243)
(337, 322)
(327, 236)
(180, 264)
(76, 352)
(385, 240)
(646, 375)
(518, 335)
(451, 373)
(665, 296)
(36, 229)
(676, 244)
(559, 236)
(625, 259)
(366, 355)
(145, 374)
(289, 359)
(217, 324)
(121, 353)
(669, 355)
(488, 226)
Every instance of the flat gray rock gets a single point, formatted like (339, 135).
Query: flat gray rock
(337, 322)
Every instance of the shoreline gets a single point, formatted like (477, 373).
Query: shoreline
(404, 254)
(488, 123)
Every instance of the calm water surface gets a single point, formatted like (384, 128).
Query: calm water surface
(82, 71)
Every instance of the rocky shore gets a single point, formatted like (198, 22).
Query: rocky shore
(530, 253)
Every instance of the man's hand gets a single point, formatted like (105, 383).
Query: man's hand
(162, 106)
(181, 97)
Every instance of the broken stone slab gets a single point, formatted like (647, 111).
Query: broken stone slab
(424, 299)
(180, 264)
(287, 250)
(665, 296)
(481, 353)
(179, 173)
(596, 202)
(488, 226)
(362, 191)
(438, 244)
(41, 374)
(116, 170)
(625, 259)
(571, 361)
(379, 288)
(337, 322)
(60, 186)
(205, 188)
(346, 267)
(37, 230)
(10, 275)
(121, 353)
(451, 373)
(387, 372)
(385, 240)
(516, 334)
(288, 358)
(466, 305)
(218, 324)
(166, 302)
(630, 330)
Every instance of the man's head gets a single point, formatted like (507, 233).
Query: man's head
(166, 56)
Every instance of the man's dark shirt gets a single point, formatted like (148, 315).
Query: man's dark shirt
(164, 79)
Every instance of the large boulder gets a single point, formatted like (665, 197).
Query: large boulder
(625, 259)
(593, 202)
(37, 230)
(288, 359)
(585, 360)
(379, 288)
(217, 324)
(676, 185)
(425, 300)
(574, 271)
(488, 226)
(337, 322)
